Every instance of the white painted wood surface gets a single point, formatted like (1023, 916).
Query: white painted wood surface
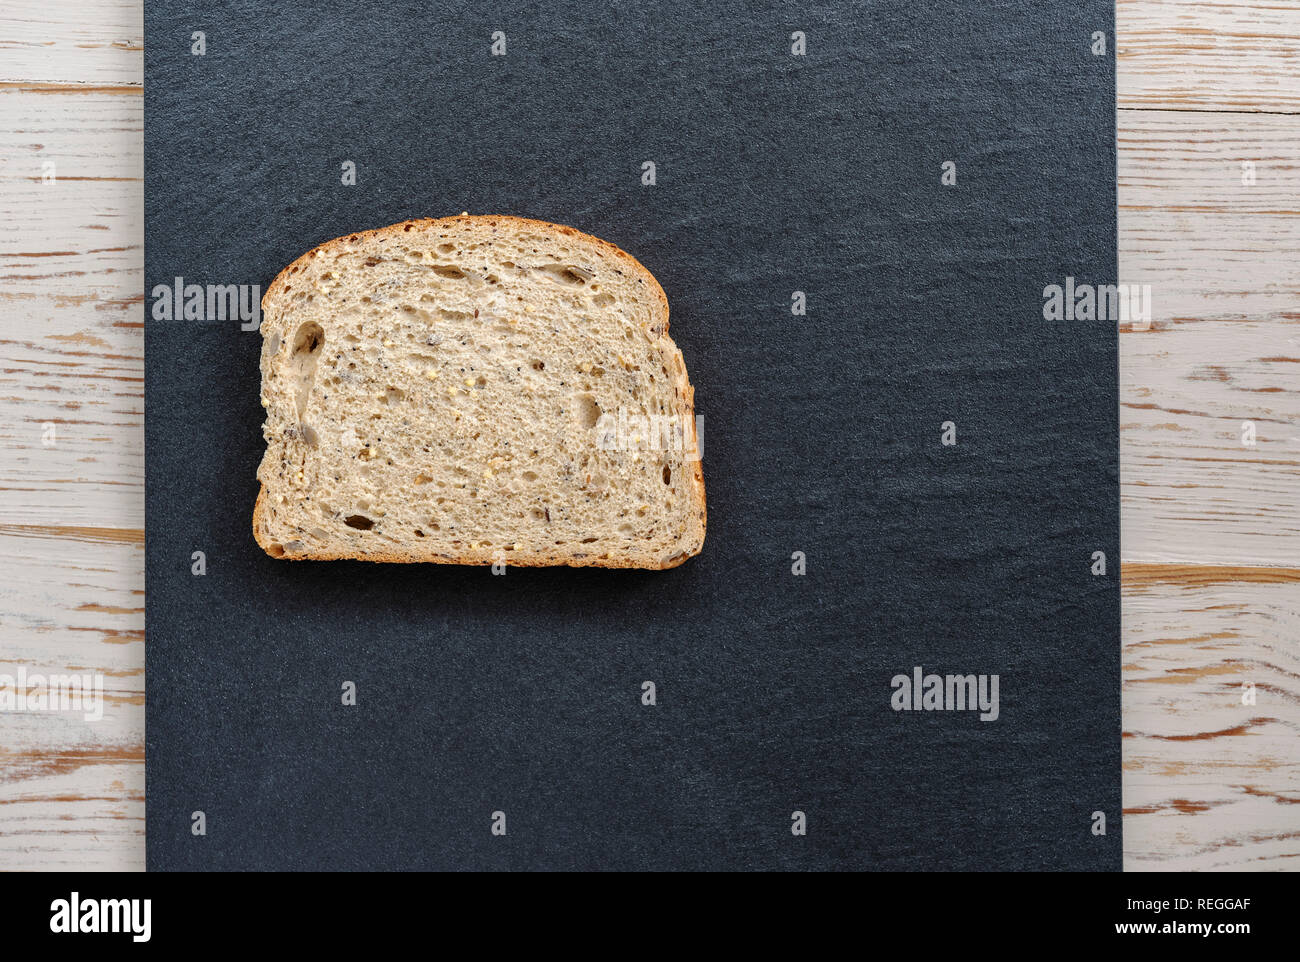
(1221, 55)
(1211, 527)
(71, 354)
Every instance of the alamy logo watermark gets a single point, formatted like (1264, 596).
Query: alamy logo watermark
(922, 692)
(179, 301)
(75, 915)
(38, 692)
(652, 432)
(1101, 302)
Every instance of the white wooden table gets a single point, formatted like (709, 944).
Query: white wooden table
(1211, 526)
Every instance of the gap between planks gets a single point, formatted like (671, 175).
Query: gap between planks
(1206, 110)
(1141, 574)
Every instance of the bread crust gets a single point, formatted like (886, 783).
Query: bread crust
(520, 560)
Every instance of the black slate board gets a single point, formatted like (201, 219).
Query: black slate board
(521, 694)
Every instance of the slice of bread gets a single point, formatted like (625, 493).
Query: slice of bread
(475, 390)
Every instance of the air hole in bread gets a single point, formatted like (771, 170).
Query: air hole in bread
(668, 475)
(275, 550)
(530, 475)
(538, 365)
(588, 411)
(358, 521)
(451, 273)
(307, 344)
(309, 339)
(603, 300)
(562, 274)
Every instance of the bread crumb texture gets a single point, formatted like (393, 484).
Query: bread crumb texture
(446, 390)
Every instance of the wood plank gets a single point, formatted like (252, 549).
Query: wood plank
(1227, 55)
(71, 788)
(1212, 247)
(61, 41)
(1210, 782)
(71, 355)
(1191, 490)
(1223, 348)
(71, 310)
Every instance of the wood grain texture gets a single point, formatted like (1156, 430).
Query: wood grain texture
(71, 361)
(1211, 527)
(1212, 247)
(1225, 55)
(1192, 490)
(60, 42)
(1211, 782)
